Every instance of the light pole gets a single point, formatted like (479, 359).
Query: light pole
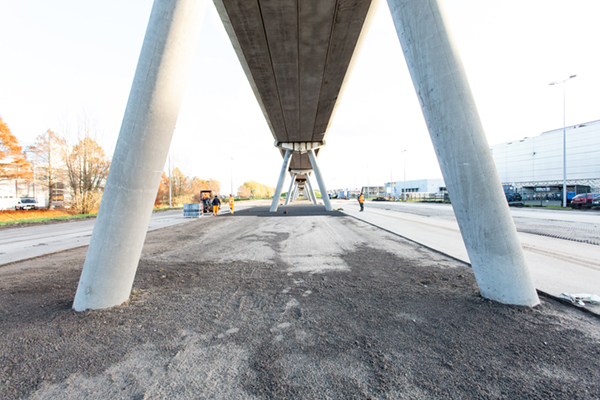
(564, 194)
(367, 181)
(404, 191)
(231, 193)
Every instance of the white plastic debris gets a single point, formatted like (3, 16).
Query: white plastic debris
(580, 299)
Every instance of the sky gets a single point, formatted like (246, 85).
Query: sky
(62, 61)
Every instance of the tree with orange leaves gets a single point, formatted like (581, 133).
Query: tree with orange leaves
(162, 197)
(13, 164)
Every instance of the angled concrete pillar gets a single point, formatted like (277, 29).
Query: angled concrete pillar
(284, 169)
(295, 191)
(289, 193)
(140, 154)
(320, 181)
(310, 189)
(307, 192)
(463, 152)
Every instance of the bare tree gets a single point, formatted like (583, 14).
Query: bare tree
(49, 167)
(87, 168)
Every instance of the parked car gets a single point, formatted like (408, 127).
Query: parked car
(27, 203)
(596, 202)
(584, 200)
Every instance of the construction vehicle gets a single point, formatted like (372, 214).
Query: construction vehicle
(206, 197)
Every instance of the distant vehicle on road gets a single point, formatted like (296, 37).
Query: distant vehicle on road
(27, 203)
(584, 200)
(380, 199)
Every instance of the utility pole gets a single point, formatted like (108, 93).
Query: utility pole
(564, 194)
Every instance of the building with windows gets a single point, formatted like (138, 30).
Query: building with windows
(534, 165)
(415, 188)
(373, 191)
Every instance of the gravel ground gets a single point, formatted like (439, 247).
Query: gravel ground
(303, 305)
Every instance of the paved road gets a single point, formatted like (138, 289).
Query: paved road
(17, 244)
(562, 248)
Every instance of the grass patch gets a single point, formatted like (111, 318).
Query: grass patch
(41, 216)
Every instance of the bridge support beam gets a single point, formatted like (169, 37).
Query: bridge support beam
(320, 181)
(464, 155)
(311, 191)
(289, 193)
(284, 169)
(140, 154)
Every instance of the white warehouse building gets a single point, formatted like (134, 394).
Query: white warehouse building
(534, 165)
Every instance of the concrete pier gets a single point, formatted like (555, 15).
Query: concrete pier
(463, 152)
(320, 180)
(140, 154)
(284, 170)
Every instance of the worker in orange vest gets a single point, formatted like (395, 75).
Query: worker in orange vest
(216, 203)
(231, 203)
(361, 201)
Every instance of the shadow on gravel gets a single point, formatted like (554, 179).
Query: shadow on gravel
(286, 211)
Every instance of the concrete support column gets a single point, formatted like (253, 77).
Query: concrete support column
(140, 154)
(320, 181)
(310, 189)
(284, 169)
(307, 193)
(463, 152)
(295, 196)
(289, 193)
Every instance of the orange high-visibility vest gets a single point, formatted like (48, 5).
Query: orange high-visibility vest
(361, 199)
(231, 201)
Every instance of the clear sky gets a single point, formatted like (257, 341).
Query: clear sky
(61, 59)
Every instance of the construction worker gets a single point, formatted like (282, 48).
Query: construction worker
(216, 203)
(231, 203)
(361, 201)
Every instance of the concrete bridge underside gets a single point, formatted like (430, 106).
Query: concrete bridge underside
(298, 55)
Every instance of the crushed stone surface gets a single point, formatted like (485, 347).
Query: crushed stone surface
(304, 305)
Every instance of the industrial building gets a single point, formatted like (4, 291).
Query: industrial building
(534, 165)
(416, 188)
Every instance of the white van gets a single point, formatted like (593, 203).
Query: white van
(27, 203)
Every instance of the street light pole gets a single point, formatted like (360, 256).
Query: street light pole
(367, 181)
(231, 193)
(564, 194)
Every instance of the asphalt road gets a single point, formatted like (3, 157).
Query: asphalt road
(562, 248)
(17, 244)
